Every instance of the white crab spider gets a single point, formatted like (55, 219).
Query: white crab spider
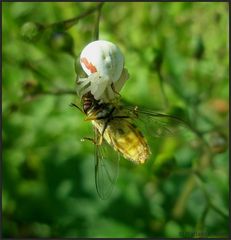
(103, 62)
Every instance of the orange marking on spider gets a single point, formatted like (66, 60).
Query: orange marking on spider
(88, 65)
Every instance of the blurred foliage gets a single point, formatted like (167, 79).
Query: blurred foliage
(177, 57)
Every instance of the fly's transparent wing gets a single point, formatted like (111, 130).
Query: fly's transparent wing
(156, 124)
(106, 167)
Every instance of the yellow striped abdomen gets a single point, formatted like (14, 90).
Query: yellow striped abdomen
(127, 139)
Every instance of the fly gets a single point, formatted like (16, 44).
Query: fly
(115, 129)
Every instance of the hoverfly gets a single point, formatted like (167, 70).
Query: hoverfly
(115, 134)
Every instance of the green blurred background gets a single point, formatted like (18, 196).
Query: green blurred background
(177, 57)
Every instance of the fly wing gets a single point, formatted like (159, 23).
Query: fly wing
(156, 124)
(106, 167)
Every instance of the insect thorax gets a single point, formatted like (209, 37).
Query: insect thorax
(100, 111)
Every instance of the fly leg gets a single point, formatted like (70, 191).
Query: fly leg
(98, 142)
(99, 138)
(88, 139)
(85, 138)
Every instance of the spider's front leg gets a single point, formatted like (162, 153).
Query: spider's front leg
(114, 89)
(84, 86)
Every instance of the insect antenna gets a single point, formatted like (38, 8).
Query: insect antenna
(74, 105)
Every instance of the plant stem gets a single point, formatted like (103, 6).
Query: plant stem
(71, 22)
(96, 29)
(208, 197)
(161, 81)
(179, 208)
(58, 92)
